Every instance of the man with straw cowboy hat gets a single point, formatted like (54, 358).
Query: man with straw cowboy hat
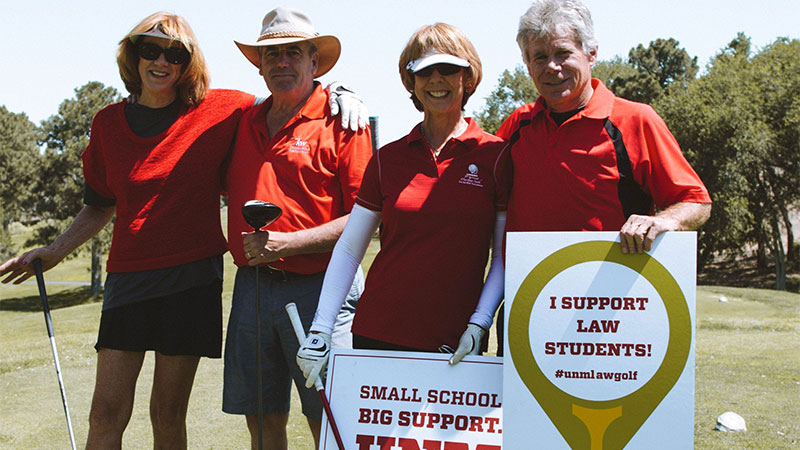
(288, 151)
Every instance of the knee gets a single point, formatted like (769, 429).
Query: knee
(276, 422)
(106, 417)
(273, 425)
(167, 416)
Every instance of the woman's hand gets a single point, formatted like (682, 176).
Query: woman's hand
(20, 268)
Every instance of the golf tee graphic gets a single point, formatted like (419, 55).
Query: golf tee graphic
(599, 350)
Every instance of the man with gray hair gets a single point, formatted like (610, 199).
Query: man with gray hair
(584, 159)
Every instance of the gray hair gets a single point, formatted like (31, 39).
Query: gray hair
(546, 18)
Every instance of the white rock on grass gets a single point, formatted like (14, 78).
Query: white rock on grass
(723, 299)
(730, 421)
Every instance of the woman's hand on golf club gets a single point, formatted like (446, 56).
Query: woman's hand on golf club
(20, 268)
(312, 357)
(89, 221)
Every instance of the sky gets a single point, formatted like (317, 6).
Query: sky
(52, 47)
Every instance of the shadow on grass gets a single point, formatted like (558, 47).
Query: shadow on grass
(63, 299)
(743, 272)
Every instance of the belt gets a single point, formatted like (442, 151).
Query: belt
(284, 275)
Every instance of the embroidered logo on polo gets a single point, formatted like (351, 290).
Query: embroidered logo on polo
(300, 146)
(471, 178)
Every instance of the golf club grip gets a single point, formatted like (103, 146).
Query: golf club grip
(37, 269)
(294, 317)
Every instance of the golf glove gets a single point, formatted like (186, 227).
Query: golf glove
(343, 99)
(313, 356)
(469, 344)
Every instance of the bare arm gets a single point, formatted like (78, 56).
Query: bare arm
(89, 221)
(267, 246)
(639, 232)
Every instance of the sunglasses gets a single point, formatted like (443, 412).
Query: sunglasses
(173, 55)
(443, 69)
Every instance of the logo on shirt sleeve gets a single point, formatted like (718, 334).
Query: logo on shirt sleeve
(471, 178)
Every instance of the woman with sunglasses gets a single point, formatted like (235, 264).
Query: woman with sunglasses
(157, 164)
(441, 194)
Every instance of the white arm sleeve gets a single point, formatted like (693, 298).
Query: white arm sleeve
(493, 288)
(345, 260)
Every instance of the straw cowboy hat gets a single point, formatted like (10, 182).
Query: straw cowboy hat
(285, 25)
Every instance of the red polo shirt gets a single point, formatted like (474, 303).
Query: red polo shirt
(566, 178)
(311, 168)
(438, 217)
(166, 187)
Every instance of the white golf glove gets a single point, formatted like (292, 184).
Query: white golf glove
(313, 356)
(354, 111)
(469, 344)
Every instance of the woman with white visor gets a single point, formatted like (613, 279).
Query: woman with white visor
(441, 194)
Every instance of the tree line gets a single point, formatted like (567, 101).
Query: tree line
(738, 123)
(41, 175)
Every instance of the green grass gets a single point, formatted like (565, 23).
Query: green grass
(747, 361)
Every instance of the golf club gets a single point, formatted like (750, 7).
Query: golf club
(259, 214)
(37, 267)
(294, 317)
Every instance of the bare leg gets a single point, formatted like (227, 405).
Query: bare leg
(112, 402)
(169, 400)
(274, 428)
(275, 431)
(315, 427)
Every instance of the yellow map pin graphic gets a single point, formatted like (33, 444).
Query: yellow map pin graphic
(591, 424)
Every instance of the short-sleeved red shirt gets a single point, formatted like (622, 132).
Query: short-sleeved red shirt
(438, 218)
(566, 178)
(166, 187)
(311, 168)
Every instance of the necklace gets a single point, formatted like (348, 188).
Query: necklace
(460, 128)
(428, 141)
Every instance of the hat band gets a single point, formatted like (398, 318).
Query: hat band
(286, 34)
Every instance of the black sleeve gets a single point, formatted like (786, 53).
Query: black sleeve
(92, 198)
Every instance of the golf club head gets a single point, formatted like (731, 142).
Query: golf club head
(259, 214)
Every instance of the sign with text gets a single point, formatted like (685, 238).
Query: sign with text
(599, 344)
(385, 400)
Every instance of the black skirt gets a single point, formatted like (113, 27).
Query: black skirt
(187, 323)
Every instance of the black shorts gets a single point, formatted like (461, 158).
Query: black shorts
(185, 323)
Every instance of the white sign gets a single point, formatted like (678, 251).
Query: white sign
(599, 347)
(413, 401)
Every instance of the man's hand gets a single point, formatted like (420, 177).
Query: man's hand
(313, 356)
(354, 111)
(469, 344)
(264, 247)
(639, 232)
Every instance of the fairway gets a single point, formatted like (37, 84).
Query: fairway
(747, 362)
